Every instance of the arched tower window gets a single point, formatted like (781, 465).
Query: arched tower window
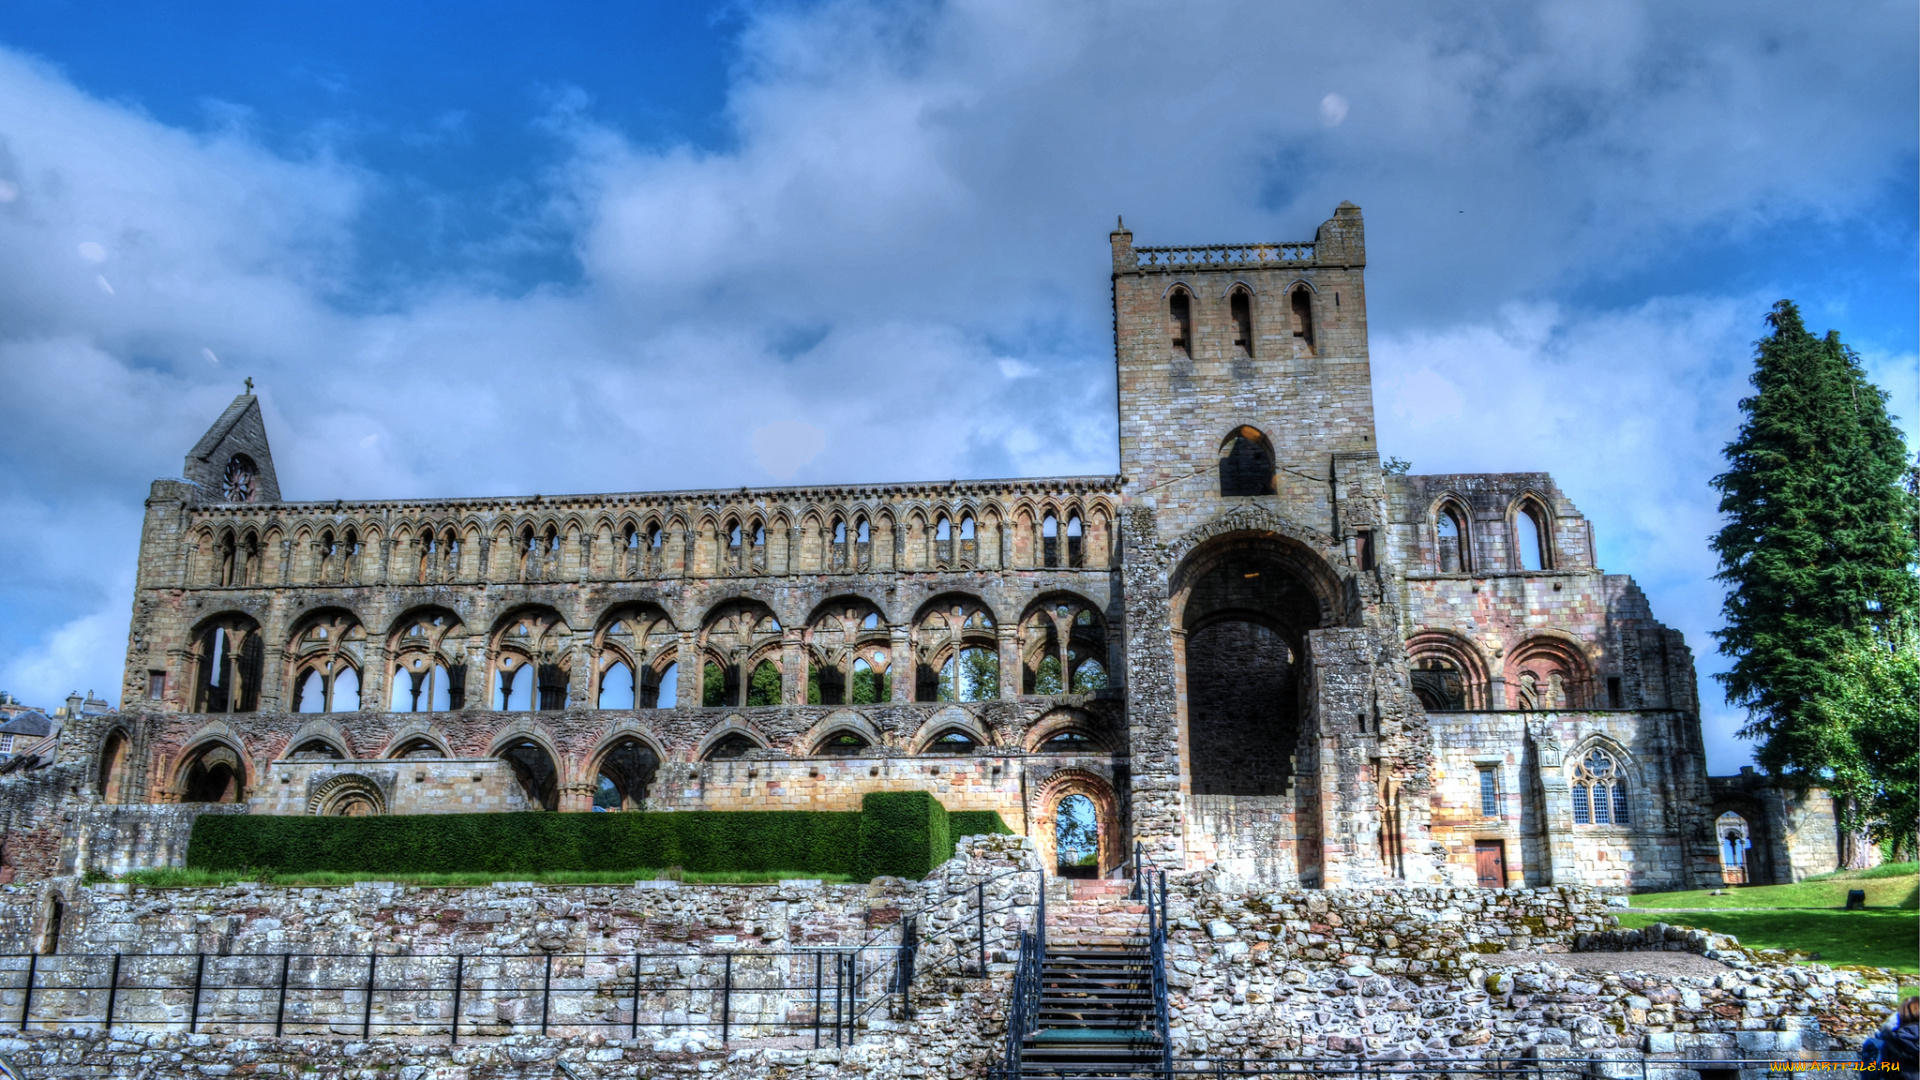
(238, 485)
(1450, 528)
(1240, 306)
(1300, 309)
(1599, 790)
(1246, 463)
(1180, 321)
(1530, 529)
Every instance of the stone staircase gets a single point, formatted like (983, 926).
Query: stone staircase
(1096, 989)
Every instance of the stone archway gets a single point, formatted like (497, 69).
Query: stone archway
(347, 795)
(1044, 817)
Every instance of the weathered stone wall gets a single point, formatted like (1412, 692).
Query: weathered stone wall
(116, 838)
(1795, 831)
(1654, 850)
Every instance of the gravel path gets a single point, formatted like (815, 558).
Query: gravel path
(1663, 963)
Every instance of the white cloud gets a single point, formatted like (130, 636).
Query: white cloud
(922, 194)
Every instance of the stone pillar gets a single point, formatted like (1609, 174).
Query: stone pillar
(692, 670)
(1153, 737)
(793, 665)
(1556, 805)
(900, 667)
(1011, 671)
(1349, 803)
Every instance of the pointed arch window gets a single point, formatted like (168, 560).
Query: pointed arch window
(1450, 530)
(1074, 546)
(1599, 790)
(1180, 321)
(1300, 314)
(1050, 540)
(1240, 307)
(1531, 532)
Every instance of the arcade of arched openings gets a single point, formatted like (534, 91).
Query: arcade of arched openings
(1260, 645)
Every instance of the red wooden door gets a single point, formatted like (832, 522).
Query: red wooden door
(1490, 857)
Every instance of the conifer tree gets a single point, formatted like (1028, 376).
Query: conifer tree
(1818, 552)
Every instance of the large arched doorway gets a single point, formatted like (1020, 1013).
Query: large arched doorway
(1245, 611)
(533, 768)
(1243, 606)
(626, 771)
(215, 773)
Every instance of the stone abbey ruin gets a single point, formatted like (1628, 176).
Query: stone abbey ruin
(1373, 725)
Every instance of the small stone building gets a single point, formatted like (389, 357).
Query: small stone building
(1255, 647)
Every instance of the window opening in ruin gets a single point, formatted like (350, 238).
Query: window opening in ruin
(664, 692)
(1489, 793)
(953, 742)
(1050, 541)
(1046, 676)
(972, 676)
(719, 685)
(733, 746)
(617, 690)
(763, 686)
(839, 531)
(825, 684)
(1076, 838)
(1735, 840)
(156, 685)
(1068, 742)
(942, 530)
(56, 914)
(1363, 548)
(1301, 306)
(513, 688)
(1438, 684)
(316, 750)
(1240, 306)
(845, 744)
(1180, 320)
(113, 760)
(1452, 532)
(863, 533)
(871, 622)
(231, 657)
(626, 773)
(1616, 698)
(869, 685)
(1246, 463)
(533, 767)
(653, 537)
(1532, 539)
(1089, 676)
(1073, 540)
(214, 775)
(966, 526)
(1599, 791)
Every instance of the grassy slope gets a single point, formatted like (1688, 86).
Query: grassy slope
(1806, 916)
(1893, 886)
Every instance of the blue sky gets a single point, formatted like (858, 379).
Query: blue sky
(473, 249)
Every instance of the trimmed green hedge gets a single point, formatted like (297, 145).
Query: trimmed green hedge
(902, 834)
(899, 834)
(975, 823)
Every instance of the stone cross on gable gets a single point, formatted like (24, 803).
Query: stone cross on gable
(249, 384)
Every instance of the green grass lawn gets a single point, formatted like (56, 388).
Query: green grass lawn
(172, 878)
(1895, 885)
(1873, 938)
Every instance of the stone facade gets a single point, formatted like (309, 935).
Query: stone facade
(1255, 648)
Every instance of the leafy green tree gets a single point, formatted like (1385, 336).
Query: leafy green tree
(1088, 677)
(1819, 548)
(763, 686)
(713, 686)
(1875, 694)
(868, 687)
(1076, 832)
(1046, 675)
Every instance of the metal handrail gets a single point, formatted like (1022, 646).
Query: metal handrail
(1023, 1006)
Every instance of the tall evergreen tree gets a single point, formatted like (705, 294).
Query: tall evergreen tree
(1819, 548)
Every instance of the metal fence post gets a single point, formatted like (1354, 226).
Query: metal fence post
(199, 972)
(636, 997)
(817, 995)
(366, 1007)
(980, 922)
(546, 994)
(839, 980)
(113, 990)
(26, 1001)
(459, 976)
(280, 1010)
(726, 1001)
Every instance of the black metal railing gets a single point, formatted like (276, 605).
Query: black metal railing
(824, 991)
(1023, 1004)
(1151, 883)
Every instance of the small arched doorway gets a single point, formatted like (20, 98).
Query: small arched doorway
(626, 772)
(1077, 825)
(1736, 840)
(214, 774)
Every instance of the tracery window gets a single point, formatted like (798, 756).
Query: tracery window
(950, 627)
(1063, 648)
(847, 655)
(1599, 790)
(738, 637)
(327, 655)
(229, 656)
(429, 671)
(239, 484)
(1439, 684)
(532, 662)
